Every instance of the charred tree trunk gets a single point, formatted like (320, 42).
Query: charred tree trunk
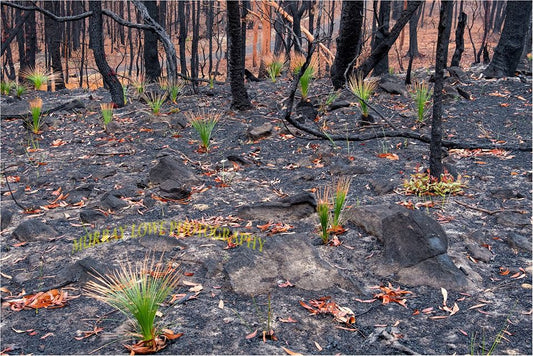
(96, 43)
(52, 30)
(459, 40)
(195, 17)
(435, 147)
(507, 53)
(182, 37)
(348, 41)
(240, 100)
(151, 56)
(382, 67)
(413, 38)
(383, 48)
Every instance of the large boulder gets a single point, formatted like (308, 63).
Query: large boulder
(34, 230)
(257, 270)
(173, 169)
(414, 245)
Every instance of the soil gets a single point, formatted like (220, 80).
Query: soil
(74, 150)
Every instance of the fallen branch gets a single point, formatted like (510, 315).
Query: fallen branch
(491, 212)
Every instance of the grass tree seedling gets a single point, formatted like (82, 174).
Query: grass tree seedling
(204, 123)
(35, 110)
(362, 89)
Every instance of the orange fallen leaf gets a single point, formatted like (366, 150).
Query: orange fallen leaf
(391, 156)
(57, 143)
(289, 352)
(392, 295)
(504, 271)
(288, 320)
(52, 299)
(251, 335)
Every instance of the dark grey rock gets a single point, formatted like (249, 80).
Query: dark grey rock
(110, 201)
(518, 241)
(159, 243)
(479, 252)
(410, 237)
(450, 92)
(512, 219)
(382, 186)
(78, 194)
(6, 216)
(178, 123)
(392, 85)
(458, 73)
(437, 272)
(288, 209)
(253, 272)
(338, 104)
(112, 128)
(505, 193)
(172, 189)
(82, 271)
(90, 216)
(34, 230)
(305, 111)
(171, 168)
(107, 172)
(258, 132)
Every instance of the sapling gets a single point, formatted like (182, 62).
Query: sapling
(35, 109)
(322, 208)
(362, 89)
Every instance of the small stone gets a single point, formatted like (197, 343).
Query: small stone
(34, 230)
(172, 189)
(109, 201)
(518, 241)
(77, 195)
(478, 252)
(382, 187)
(511, 219)
(6, 216)
(90, 216)
(264, 130)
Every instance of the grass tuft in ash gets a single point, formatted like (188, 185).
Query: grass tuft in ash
(204, 123)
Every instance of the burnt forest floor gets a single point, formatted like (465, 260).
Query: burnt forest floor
(74, 151)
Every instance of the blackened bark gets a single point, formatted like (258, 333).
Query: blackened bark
(383, 29)
(195, 16)
(435, 147)
(30, 40)
(459, 40)
(413, 38)
(96, 43)
(507, 53)
(383, 48)
(182, 37)
(52, 30)
(240, 100)
(151, 57)
(500, 15)
(348, 40)
(14, 31)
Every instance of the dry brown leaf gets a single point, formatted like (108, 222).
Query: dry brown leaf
(251, 335)
(221, 304)
(391, 156)
(318, 347)
(289, 352)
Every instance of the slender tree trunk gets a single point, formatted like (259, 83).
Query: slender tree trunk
(182, 37)
(240, 100)
(96, 43)
(435, 147)
(195, 12)
(348, 41)
(53, 36)
(459, 40)
(382, 67)
(151, 55)
(507, 53)
(413, 38)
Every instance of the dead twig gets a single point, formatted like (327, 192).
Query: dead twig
(490, 212)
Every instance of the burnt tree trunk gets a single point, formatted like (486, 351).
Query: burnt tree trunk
(507, 53)
(240, 100)
(413, 38)
(182, 37)
(383, 48)
(52, 30)
(459, 40)
(96, 43)
(382, 67)
(151, 57)
(435, 147)
(348, 41)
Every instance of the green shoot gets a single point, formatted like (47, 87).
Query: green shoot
(332, 96)
(125, 93)
(155, 101)
(137, 292)
(204, 123)
(362, 89)
(35, 109)
(107, 113)
(19, 89)
(274, 68)
(37, 76)
(341, 191)
(421, 95)
(174, 90)
(322, 207)
(5, 87)
(305, 79)
(138, 84)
